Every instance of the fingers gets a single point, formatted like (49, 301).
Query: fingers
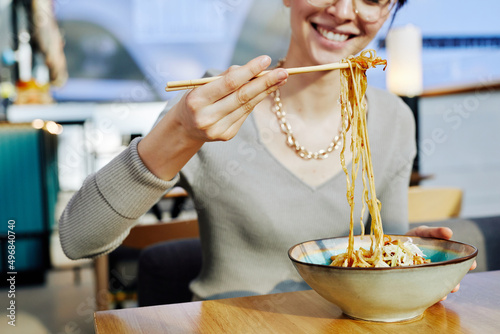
(433, 232)
(458, 285)
(229, 113)
(248, 96)
(215, 111)
(234, 120)
(233, 79)
(441, 233)
(455, 289)
(231, 68)
(474, 265)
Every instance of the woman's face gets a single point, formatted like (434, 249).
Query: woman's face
(326, 35)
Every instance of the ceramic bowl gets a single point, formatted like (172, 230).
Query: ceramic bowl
(383, 294)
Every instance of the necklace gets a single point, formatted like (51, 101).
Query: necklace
(293, 143)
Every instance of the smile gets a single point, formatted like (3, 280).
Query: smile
(330, 35)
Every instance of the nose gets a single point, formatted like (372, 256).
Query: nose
(342, 9)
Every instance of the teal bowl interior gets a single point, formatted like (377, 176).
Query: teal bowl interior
(439, 251)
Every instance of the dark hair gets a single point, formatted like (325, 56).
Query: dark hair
(400, 4)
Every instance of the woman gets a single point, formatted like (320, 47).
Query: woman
(255, 197)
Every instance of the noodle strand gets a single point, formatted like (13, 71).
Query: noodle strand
(353, 111)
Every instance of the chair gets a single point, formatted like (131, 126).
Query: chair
(166, 270)
(432, 204)
(179, 197)
(140, 237)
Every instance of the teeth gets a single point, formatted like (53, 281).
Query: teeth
(330, 35)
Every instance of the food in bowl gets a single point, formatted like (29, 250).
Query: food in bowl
(394, 253)
(386, 294)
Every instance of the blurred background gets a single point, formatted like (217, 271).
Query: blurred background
(79, 79)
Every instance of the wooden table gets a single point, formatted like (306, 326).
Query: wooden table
(475, 308)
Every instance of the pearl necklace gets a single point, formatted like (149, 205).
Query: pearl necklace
(293, 143)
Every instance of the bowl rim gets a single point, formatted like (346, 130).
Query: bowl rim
(425, 265)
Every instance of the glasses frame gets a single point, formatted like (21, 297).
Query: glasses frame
(356, 11)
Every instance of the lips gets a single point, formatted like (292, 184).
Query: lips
(330, 34)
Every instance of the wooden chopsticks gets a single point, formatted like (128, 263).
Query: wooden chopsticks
(189, 84)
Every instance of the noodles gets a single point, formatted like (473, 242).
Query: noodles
(381, 253)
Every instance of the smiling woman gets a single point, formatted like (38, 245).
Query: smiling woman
(203, 133)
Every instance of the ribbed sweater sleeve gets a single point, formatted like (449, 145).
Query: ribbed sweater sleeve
(100, 215)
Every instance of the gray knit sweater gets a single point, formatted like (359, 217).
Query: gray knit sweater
(251, 209)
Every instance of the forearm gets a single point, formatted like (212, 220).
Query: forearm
(89, 226)
(101, 213)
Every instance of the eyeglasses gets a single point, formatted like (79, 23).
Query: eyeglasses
(368, 10)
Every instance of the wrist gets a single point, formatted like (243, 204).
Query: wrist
(167, 148)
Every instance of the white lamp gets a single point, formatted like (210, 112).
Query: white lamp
(404, 53)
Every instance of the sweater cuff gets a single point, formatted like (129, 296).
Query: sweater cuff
(129, 186)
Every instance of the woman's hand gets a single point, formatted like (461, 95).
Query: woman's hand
(214, 111)
(436, 232)
(431, 232)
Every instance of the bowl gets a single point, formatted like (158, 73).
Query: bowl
(383, 294)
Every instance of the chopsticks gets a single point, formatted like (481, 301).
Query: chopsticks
(189, 84)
